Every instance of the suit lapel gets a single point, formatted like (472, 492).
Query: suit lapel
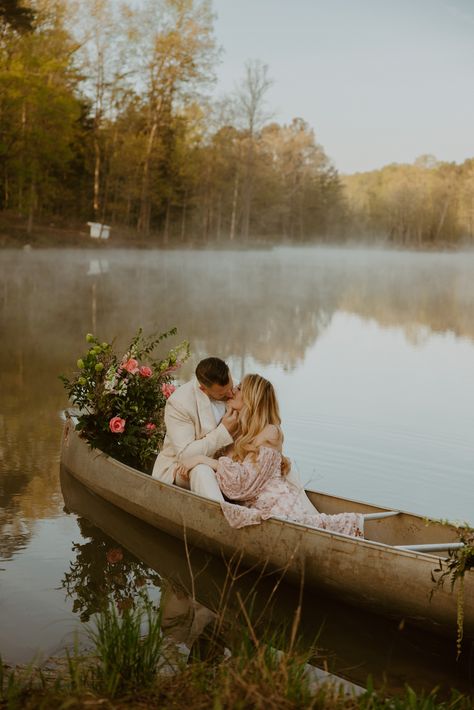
(206, 416)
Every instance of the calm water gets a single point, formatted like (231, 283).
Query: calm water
(372, 354)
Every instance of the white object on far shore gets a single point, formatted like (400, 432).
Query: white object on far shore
(98, 230)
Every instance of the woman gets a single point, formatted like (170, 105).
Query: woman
(254, 470)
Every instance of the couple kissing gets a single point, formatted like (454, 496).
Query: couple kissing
(225, 443)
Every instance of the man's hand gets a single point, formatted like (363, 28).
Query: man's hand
(231, 421)
(181, 472)
(181, 476)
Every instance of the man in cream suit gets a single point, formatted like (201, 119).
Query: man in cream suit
(198, 422)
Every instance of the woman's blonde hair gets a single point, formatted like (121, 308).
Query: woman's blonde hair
(260, 408)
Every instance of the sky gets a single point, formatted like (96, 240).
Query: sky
(379, 81)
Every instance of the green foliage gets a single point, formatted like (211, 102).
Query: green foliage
(40, 112)
(411, 700)
(454, 568)
(128, 654)
(121, 398)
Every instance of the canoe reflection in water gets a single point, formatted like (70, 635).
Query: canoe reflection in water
(103, 573)
(195, 587)
(184, 620)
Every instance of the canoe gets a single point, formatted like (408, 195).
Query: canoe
(350, 643)
(379, 573)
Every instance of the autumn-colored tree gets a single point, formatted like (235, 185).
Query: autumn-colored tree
(176, 53)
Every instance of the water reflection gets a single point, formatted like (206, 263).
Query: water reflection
(198, 588)
(102, 572)
(272, 311)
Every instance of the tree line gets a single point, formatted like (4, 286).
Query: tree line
(105, 116)
(426, 203)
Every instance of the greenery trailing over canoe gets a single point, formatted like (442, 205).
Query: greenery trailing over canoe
(453, 569)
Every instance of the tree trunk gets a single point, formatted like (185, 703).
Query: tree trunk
(96, 202)
(183, 220)
(167, 224)
(219, 218)
(31, 208)
(234, 207)
(143, 224)
(247, 192)
(442, 218)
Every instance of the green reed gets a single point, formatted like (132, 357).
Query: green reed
(128, 647)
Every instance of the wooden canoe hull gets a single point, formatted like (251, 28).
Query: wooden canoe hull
(370, 573)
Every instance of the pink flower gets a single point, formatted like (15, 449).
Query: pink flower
(145, 371)
(131, 366)
(167, 390)
(114, 555)
(150, 427)
(117, 425)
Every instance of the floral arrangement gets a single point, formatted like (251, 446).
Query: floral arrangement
(121, 399)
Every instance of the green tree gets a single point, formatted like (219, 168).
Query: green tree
(40, 112)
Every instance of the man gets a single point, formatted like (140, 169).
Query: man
(198, 422)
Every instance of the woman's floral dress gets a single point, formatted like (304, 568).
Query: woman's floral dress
(262, 492)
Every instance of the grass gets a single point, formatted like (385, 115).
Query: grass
(229, 668)
(128, 648)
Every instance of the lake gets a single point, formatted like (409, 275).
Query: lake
(372, 356)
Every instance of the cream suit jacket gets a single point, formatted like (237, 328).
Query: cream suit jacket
(190, 430)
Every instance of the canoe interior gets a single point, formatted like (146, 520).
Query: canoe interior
(402, 529)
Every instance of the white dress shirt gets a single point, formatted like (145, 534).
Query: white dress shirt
(218, 408)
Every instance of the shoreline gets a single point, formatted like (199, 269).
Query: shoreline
(14, 235)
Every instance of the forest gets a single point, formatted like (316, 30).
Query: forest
(106, 115)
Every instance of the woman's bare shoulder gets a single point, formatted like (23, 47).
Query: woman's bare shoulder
(271, 434)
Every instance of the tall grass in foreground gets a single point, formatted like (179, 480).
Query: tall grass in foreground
(128, 648)
(232, 668)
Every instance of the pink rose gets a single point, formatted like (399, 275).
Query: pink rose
(114, 555)
(145, 371)
(150, 427)
(131, 366)
(167, 390)
(117, 425)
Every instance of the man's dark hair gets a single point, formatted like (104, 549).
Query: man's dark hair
(212, 371)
